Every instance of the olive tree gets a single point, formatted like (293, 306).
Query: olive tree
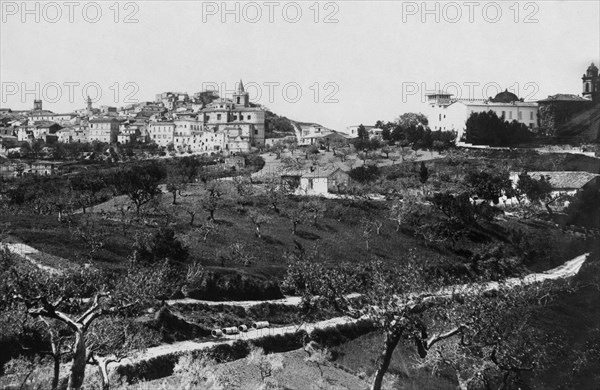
(411, 302)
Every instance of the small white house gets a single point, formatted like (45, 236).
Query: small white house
(320, 181)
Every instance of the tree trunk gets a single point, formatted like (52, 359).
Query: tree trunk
(192, 216)
(547, 205)
(391, 341)
(79, 361)
(56, 371)
(175, 197)
(103, 371)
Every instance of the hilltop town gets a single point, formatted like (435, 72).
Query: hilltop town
(204, 241)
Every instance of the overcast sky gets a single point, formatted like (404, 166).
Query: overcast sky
(374, 60)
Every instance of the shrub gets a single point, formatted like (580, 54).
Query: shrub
(226, 353)
(339, 334)
(233, 286)
(364, 174)
(281, 343)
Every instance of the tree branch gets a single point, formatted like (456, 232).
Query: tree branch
(443, 336)
(95, 305)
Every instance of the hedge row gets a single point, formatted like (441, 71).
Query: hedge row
(163, 366)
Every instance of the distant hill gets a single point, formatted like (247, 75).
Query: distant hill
(277, 126)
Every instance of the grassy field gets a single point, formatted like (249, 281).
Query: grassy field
(336, 236)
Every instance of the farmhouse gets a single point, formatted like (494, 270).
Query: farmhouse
(564, 183)
(321, 181)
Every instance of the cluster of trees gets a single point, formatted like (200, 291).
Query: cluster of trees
(483, 334)
(410, 129)
(486, 128)
(277, 126)
(63, 195)
(87, 317)
(139, 181)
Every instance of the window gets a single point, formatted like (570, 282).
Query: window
(249, 116)
(256, 131)
(238, 100)
(531, 115)
(503, 113)
(510, 115)
(310, 184)
(218, 117)
(520, 115)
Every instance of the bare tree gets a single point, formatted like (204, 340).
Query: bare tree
(212, 198)
(297, 213)
(408, 302)
(258, 219)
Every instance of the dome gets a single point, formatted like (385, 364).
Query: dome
(505, 97)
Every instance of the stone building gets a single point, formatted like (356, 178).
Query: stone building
(103, 130)
(571, 117)
(236, 117)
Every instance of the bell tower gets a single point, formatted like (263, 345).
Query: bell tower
(37, 105)
(241, 97)
(591, 83)
(89, 110)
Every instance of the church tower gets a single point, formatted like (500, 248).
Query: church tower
(89, 109)
(241, 97)
(591, 83)
(37, 105)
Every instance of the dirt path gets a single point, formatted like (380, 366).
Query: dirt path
(290, 301)
(30, 254)
(567, 270)
(189, 346)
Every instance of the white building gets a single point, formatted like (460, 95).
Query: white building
(321, 181)
(447, 114)
(161, 133)
(75, 134)
(61, 119)
(200, 142)
(103, 130)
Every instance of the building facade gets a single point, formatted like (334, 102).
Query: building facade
(236, 116)
(103, 130)
(161, 133)
(447, 114)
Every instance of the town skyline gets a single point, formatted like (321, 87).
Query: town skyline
(416, 54)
